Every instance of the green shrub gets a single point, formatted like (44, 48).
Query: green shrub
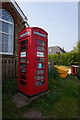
(78, 73)
(66, 59)
(9, 86)
(54, 73)
(54, 58)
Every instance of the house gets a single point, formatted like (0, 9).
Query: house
(71, 51)
(12, 21)
(54, 49)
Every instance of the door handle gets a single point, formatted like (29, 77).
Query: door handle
(27, 62)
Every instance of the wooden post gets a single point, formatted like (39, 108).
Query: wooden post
(58, 57)
(52, 64)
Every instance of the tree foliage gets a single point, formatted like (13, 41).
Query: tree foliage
(65, 58)
(77, 48)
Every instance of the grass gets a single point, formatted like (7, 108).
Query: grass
(9, 109)
(61, 101)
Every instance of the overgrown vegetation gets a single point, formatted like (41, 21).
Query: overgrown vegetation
(78, 71)
(9, 109)
(65, 58)
(61, 100)
(54, 73)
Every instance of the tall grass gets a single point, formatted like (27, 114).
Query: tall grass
(61, 100)
(54, 73)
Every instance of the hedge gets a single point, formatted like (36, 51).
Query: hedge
(65, 58)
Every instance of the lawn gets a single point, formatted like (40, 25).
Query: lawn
(61, 100)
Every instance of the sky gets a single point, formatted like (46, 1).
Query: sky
(59, 19)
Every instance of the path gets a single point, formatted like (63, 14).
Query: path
(33, 113)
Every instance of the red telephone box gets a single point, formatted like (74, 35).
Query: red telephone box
(32, 61)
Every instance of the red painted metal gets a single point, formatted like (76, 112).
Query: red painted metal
(33, 61)
(74, 70)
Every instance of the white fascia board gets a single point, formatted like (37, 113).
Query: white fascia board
(19, 11)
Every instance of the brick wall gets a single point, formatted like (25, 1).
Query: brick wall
(8, 67)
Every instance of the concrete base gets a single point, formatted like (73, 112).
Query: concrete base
(21, 100)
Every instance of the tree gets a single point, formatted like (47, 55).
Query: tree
(77, 48)
(79, 52)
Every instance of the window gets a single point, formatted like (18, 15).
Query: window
(39, 62)
(6, 32)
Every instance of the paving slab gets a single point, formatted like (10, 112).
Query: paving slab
(33, 113)
(20, 100)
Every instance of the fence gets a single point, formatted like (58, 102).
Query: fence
(9, 68)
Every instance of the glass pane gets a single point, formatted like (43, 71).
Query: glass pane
(10, 29)
(3, 47)
(7, 44)
(5, 15)
(0, 42)
(40, 42)
(39, 65)
(0, 13)
(10, 43)
(38, 83)
(0, 37)
(6, 47)
(40, 59)
(7, 28)
(23, 65)
(24, 42)
(8, 40)
(23, 71)
(0, 25)
(39, 71)
(22, 82)
(39, 77)
(40, 48)
(40, 54)
(23, 54)
(22, 59)
(22, 77)
(23, 48)
(0, 47)
(4, 38)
